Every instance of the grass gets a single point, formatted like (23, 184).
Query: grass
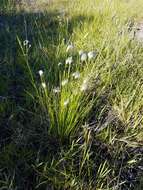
(71, 125)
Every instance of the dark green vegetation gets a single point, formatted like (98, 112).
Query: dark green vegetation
(75, 139)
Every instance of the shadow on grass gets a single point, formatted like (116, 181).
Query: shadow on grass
(29, 26)
(16, 127)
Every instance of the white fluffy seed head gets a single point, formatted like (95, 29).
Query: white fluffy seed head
(66, 102)
(84, 87)
(40, 72)
(64, 82)
(69, 60)
(56, 90)
(25, 42)
(91, 55)
(43, 84)
(83, 57)
(85, 80)
(70, 48)
(76, 75)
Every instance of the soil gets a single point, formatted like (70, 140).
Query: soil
(139, 32)
(33, 5)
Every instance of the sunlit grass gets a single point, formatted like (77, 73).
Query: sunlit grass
(76, 122)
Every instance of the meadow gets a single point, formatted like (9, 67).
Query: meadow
(71, 95)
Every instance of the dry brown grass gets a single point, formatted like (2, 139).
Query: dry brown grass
(39, 5)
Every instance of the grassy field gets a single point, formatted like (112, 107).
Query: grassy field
(71, 95)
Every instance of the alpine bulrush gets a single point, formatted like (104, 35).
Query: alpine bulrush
(69, 61)
(92, 55)
(40, 72)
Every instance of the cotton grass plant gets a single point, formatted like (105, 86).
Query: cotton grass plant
(68, 104)
(79, 117)
(74, 83)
